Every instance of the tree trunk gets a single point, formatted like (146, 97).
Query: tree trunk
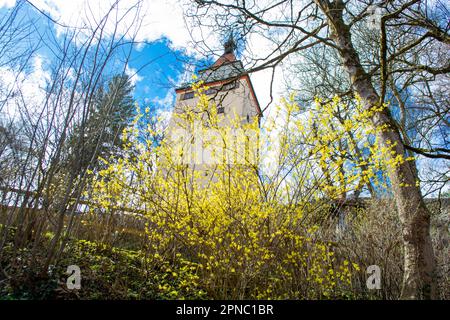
(419, 263)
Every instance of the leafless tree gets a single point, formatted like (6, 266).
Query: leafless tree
(45, 191)
(411, 51)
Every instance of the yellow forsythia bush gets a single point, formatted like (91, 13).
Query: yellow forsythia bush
(243, 237)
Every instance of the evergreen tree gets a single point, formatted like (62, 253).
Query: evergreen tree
(99, 135)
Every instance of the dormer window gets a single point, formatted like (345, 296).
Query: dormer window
(230, 86)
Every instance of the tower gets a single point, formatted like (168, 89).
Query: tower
(230, 92)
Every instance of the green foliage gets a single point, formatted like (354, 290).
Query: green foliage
(106, 273)
(111, 110)
(112, 273)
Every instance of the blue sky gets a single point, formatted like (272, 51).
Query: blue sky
(164, 60)
(159, 65)
(159, 68)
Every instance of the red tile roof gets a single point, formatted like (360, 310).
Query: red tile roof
(225, 58)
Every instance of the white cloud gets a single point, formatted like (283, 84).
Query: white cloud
(258, 48)
(158, 19)
(261, 81)
(21, 87)
(132, 73)
(166, 102)
(150, 20)
(7, 3)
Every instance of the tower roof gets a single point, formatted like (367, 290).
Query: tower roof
(226, 68)
(230, 45)
(225, 58)
(228, 53)
(222, 69)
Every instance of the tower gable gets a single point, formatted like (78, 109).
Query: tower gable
(226, 74)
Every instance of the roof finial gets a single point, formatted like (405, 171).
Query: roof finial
(229, 45)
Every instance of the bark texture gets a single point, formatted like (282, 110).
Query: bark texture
(419, 262)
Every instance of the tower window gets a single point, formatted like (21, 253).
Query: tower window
(211, 91)
(187, 95)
